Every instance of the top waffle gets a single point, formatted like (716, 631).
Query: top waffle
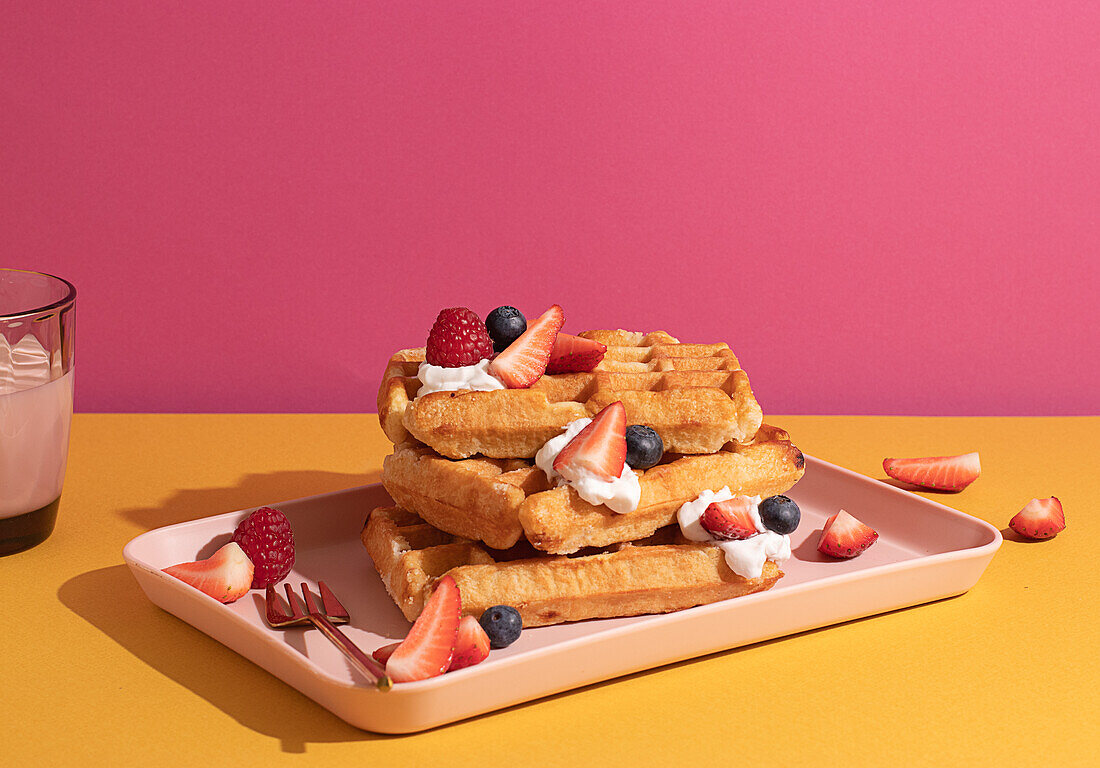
(694, 395)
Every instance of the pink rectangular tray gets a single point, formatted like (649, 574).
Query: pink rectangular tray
(925, 551)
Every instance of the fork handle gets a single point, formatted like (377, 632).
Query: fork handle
(364, 663)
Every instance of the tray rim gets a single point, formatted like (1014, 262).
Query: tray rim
(424, 687)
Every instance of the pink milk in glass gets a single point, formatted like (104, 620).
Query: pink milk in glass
(37, 324)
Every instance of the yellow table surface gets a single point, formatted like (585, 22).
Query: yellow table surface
(1007, 674)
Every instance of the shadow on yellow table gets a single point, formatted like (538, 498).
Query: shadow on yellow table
(1005, 674)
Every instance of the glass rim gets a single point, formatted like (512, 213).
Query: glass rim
(68, 298)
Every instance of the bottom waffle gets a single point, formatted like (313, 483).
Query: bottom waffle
(656, 575)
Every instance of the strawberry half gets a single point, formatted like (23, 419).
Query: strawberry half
(844, 536)
(943, 473)
(1040, 519)
(730, 519)
(524, 361)
(426, 651)
(225, 575)
(572, 354)
(472, 645)
(599, 448)
(382, 655)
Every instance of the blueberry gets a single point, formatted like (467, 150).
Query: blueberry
(505, 324)
(502, 624)
(644, 447)
(779, 514)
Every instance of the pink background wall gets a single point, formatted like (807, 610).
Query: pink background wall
(884, 207)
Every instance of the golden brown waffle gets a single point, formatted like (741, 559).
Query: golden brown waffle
(695, 395)
(500, 501)
(654, 576)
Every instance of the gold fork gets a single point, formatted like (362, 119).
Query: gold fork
(326, 621)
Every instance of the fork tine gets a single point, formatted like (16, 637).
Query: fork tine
(275, 612)
(333, 609)
(311, 607)
(295, 610)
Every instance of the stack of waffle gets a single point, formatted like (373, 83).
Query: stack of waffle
(472, 504)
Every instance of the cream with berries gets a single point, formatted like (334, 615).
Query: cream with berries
(733, 524)
(457, 354)
(590, 457)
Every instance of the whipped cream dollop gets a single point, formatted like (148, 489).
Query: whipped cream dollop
(620, 495)
(745, 557)
(25, 365)
(436, 378)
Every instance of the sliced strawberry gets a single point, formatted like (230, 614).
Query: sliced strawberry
(1040, 519)
(472, 646)
(382, 655)
(225, 575)
(599, 448)
(944, 473)
(730, 519)
(524, 361)
(844, 536)
(572, 354)
(426, 650)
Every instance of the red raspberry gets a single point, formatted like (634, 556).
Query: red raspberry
(267, 539)
(458, 338)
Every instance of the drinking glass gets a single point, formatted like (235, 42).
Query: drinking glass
(37, 323)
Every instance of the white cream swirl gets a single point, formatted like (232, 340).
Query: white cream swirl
(436, 378)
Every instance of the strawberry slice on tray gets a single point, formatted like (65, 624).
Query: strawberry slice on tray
(845, 536)
(225, 576)
(941, 473)
(730, 519)
(472, 645)
(382, 655)
(599, 449)
(574, 354)
(427, 650)
(524, 361)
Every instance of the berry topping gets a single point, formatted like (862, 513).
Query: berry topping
(266, 537)
(644, 447)
(780, 514)
(382, 655)
(458, 338)
(505, 325)
(943, 473)
(1040, 519)
(502, 623)
(225, 575)
(844, 536)
(525, 359)
(730, 519)
(426, 650)
(599, 448)
(573, 354)
(472, 646)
